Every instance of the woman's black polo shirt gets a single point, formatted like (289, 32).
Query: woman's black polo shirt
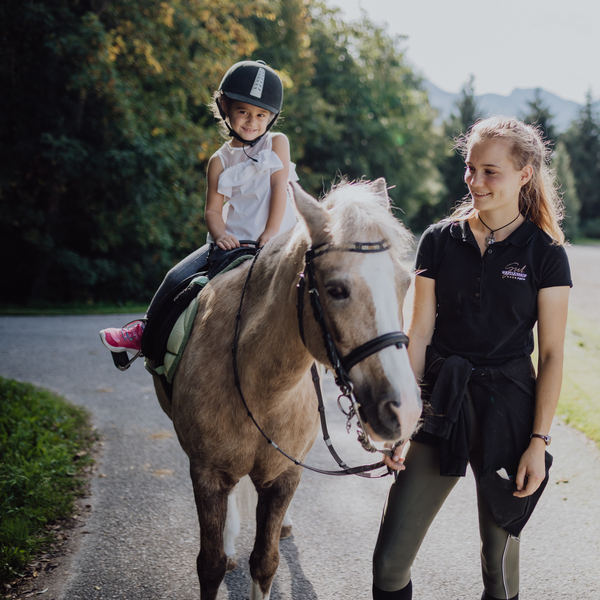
(487, 305)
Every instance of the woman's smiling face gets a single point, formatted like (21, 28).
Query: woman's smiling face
(491, 176)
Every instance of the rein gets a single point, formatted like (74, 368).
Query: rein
(341, 365)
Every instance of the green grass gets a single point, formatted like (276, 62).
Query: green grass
(44, 447)
(71, 309)
(580, 397)
(585, 242)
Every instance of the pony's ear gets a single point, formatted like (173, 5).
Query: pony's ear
(379, 187)
(312, 213)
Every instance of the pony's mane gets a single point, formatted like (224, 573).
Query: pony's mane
(359, 213)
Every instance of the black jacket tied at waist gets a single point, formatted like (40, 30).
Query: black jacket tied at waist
(503, 399)
(450, 420)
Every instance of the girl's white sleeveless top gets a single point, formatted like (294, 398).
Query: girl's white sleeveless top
(246, 186)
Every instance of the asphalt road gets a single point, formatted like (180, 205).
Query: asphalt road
(139, 539)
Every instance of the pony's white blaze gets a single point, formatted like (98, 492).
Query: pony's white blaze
(378, 272)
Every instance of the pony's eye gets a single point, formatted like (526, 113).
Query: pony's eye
(337, 291)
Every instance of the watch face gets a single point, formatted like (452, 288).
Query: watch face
(546, 438)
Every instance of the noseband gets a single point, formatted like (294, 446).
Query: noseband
(342, 365)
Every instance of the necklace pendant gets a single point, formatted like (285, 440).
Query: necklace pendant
(489, 240)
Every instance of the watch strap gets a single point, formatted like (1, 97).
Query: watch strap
(546, 438)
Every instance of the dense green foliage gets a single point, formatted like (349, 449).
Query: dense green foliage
(103, 139)
(452, 166)
(105, 132)
(375, 121)
(582, 141)
(539, 114)
(541, 117)
(568, 190)
(42, 441)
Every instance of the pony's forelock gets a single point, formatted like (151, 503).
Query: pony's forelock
(357, 214)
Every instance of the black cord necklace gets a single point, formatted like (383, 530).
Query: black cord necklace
(490, 239)
(250, 157)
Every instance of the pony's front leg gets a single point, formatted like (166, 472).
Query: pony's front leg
(273, 501)
(211, 504)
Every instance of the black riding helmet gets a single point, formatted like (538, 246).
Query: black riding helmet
(255, 83)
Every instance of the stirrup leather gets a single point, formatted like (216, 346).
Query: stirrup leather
(122, 360)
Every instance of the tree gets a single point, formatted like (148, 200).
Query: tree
(104, 138)
(363, 113)
(452, 166)
(105, 131)
(582, 141)
(566, 180)
(539, 114)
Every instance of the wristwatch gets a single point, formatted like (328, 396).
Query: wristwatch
(546, 438)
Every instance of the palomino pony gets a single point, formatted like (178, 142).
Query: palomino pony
(361, 293)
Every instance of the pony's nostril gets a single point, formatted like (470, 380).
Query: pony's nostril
(390, 409)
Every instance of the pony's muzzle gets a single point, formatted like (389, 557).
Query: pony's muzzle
(390, 418)
(408, 415)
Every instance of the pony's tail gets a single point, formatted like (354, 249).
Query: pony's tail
(241, 506)
(246, 498)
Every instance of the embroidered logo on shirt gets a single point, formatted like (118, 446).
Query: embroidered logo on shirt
(259, 82)
(514, 271)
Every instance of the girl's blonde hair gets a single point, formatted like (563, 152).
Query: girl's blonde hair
(219, 98)
(539, 198)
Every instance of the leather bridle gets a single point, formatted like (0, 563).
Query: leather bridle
(341, 365)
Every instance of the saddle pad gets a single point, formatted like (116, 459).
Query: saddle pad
(182, 329)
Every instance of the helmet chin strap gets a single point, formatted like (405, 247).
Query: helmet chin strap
(238, 137)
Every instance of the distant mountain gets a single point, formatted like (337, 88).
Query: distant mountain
(564, 111)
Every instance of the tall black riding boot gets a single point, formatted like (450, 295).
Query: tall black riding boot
(404, 594)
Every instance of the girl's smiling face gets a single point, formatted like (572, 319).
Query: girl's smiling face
(493, 180)
(248, 121)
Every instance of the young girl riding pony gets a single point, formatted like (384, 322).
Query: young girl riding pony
(247, 182)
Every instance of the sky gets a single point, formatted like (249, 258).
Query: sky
(505, 44)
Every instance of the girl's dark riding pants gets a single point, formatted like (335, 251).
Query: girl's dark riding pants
(413, 502)
(190, 265)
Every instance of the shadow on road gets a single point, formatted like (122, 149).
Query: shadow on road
(238, 581)
(301, 586)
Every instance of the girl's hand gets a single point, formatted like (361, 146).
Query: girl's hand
(265, 236)
(227, 242)
(532, 469)
(395, 461)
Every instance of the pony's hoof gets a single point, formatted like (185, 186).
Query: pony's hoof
(286, 532)
(231, 564)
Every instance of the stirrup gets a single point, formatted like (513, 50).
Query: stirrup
(122, 361)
